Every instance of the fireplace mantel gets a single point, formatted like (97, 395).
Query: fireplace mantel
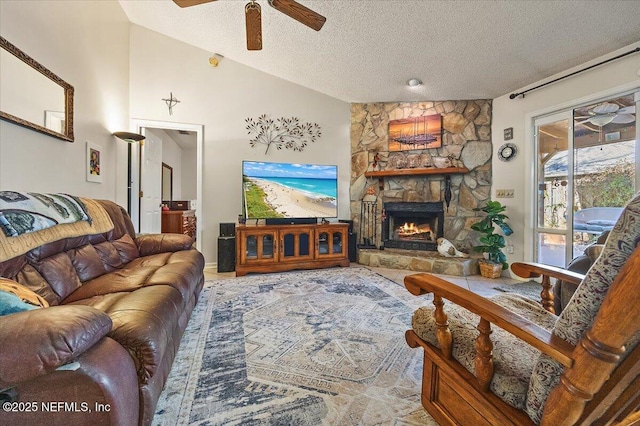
(381, 174)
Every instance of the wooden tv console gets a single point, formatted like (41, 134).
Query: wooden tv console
(274, 248)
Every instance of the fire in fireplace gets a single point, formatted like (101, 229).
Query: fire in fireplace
(411, 231)
(412, 226)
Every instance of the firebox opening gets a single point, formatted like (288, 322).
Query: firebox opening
(413, 231)
(413, 226)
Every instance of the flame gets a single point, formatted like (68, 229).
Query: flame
(412, 228)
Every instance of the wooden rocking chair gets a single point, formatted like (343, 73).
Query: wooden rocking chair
(582, 367)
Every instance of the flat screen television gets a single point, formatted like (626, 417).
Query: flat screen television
(289, 191)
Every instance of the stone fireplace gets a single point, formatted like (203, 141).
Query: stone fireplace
(412, 226)
(457, 174)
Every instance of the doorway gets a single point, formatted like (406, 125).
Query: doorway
(146, 164)
(587, 169)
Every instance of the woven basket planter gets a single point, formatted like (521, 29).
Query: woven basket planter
(490, 269)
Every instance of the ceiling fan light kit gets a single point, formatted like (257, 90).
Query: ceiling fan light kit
(253, 17)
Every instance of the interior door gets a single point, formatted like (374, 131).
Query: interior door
(151, 184)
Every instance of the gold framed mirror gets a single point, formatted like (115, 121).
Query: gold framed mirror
(33, 96)
(167, 182)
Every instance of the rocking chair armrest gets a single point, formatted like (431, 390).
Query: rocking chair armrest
(534, 270)
(531, 333)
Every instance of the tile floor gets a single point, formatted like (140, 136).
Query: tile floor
(476, 283)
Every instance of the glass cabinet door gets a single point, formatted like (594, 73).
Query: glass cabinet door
(258, 246)
(267, 246)
(337, 243)
(323, 243)
(251, 247)
(296, 244)
(330, 243)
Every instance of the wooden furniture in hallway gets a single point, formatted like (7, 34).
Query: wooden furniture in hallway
(179, 222)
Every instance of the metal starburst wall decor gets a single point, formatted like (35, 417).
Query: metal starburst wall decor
(283, 132)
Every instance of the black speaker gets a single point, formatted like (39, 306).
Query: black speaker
(227, 229)
(353, 247)
(226, 254)
(350, 222)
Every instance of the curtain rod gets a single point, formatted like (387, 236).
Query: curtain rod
(515, 95)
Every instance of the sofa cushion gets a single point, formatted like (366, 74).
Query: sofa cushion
(59, 273)
(160, 243)
(579, 314)
(42, 340)
(143, 321)
(117, 253)
(179, 270)
(86, 262)
(513, 359)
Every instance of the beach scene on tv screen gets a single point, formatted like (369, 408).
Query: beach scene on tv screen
(283, 190)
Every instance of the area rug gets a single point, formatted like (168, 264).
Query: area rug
(529, 289)
(322, 347)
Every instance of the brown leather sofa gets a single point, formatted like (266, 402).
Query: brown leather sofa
(101, 353)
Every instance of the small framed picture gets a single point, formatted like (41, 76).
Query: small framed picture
(508, 133)
(93, 163)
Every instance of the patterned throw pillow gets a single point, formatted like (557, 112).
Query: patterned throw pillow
(10, 304)
(22, 293)
(579, 314)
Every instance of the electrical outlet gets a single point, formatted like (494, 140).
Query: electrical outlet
(510, 249)
(504, 193)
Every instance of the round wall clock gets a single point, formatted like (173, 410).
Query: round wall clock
(507, 152)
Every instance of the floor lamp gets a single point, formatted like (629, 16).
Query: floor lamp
(130, 138)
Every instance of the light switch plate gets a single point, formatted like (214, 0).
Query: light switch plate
(504, 193)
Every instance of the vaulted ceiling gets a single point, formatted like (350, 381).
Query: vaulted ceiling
(368, 49)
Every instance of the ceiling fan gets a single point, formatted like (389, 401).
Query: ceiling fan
(608, 112)
(253, 17)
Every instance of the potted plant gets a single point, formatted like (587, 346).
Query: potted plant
(491, 243)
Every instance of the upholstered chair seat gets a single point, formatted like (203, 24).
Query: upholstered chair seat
(513, 359)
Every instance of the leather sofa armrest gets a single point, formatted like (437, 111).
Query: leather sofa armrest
(162, 243)
(36, 342)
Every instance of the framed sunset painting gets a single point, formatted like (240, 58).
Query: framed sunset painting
(415, 133)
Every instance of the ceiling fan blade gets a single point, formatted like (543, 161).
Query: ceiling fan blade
(299, 12)
(188, 3)
(605, 108)
(601, 120)
(627, 110)
(624, 118)
(253, 19)
(583, 121)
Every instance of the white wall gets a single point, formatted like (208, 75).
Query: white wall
(171, 156)
(86, 43)
(602, 81)
(220, 99)
(189, 175)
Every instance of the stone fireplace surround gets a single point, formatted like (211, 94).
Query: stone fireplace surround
(467, 143)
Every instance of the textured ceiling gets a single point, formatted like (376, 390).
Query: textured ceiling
(368, 49)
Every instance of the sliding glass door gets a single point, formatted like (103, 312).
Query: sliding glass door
(553, 188)
(587, 169)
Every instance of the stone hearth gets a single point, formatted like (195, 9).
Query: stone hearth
(419, 261)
